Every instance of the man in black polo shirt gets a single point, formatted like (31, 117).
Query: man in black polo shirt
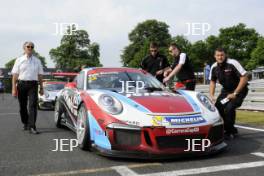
(233, 78)
(181, 67)
(155, 63)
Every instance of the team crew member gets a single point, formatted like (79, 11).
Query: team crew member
(181, 67)
(233, 78)
(27, 74)
(155, 63)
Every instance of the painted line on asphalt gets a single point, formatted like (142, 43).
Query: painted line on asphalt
(249, 128)
(87, 171)
(210, 169)
(124, 171)
(260, 154)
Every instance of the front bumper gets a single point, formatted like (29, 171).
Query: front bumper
(46, 104)
(147, 155)
(159, 142)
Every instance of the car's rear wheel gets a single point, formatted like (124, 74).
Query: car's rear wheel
(57, 114)
(82, 129)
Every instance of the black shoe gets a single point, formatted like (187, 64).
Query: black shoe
(26, 127)
(230, 136)
(33, 131)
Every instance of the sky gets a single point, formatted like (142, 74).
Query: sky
(108, 22)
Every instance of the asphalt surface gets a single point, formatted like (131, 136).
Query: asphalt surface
(24, 154)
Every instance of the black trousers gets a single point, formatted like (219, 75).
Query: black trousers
(28, 100)
(190, 85)
(228, 110)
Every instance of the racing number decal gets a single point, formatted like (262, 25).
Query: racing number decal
(72, 99)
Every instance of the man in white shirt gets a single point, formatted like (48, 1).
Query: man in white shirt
(27, 74)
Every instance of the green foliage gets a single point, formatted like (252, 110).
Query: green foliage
(182, 42)
(140, 37)
(198, 55)
(10, 64)
(239, 41)
(257, 55)
(75, 51)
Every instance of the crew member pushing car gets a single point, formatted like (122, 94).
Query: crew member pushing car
(181, 67)
(233, 78)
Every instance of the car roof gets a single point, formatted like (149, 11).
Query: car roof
(112, 69)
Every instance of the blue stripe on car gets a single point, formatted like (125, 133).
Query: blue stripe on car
(97, 134)
(190, 100)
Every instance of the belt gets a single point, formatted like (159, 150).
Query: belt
(187, 81)
(27, 81)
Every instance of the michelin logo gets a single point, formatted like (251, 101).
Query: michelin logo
(185, 120)
(177, 120)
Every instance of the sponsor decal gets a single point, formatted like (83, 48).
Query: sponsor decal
(92, 77)
(132, 122)
(158, 121)
(150, 94)
(177, 120)
(183, 120)
(185, 130)
(72, 100)
(98, 132)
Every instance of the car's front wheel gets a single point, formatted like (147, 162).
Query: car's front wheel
(82, 129)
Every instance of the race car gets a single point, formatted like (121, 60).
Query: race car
(50, 88)
(126, 112)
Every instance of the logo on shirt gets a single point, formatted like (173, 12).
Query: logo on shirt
(227, 70)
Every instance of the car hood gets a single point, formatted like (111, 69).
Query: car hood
(164, 104)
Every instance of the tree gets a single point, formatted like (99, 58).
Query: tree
(212, 42)
(199, 55)
(257, 55)
(182, 42)
(11, 63)
(239, 41)
(75, 50)
(140, 37)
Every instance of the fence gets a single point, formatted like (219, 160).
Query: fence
(253, 101)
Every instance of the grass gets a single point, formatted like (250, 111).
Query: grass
(250, 117)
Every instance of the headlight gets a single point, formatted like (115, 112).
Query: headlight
(110, 104)
(206, 101)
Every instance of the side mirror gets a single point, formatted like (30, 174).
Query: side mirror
(71, 85)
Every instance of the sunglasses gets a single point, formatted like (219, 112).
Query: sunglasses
(30, 47)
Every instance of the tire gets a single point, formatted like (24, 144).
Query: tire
(57, 114)
(83, 129)
(39, 108)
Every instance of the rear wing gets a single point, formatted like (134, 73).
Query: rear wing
(64, 76)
